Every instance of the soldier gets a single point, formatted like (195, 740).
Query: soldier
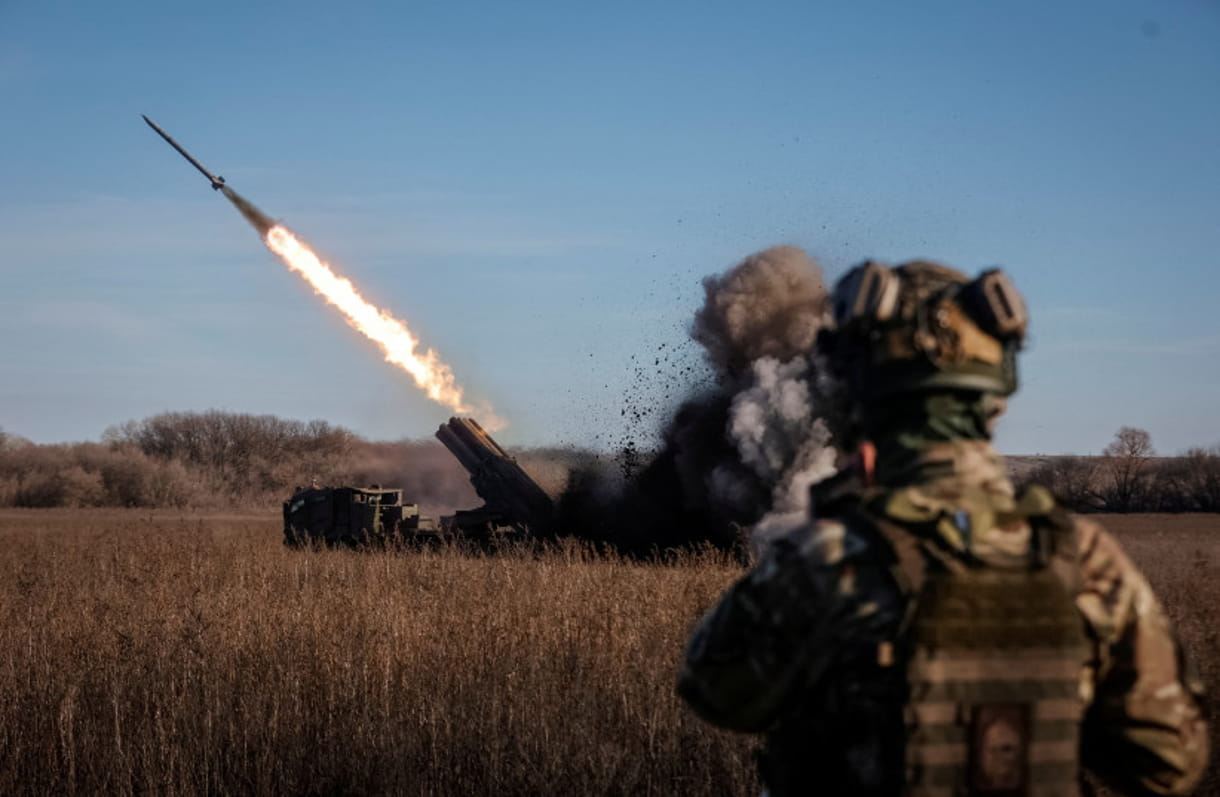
(929, 631)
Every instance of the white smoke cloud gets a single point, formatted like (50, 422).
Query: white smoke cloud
(771, 304)
(774, 426)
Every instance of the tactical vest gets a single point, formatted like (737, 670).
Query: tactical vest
(993, 654)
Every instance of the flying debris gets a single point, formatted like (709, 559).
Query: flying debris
(217, 182)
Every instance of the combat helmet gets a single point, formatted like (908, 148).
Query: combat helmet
(923, 326)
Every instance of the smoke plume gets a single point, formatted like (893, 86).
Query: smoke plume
(259, 220)
(769, 305)
(773, 425)
(737, 459)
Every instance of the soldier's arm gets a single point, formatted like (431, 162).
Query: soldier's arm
(1143, 731)
(771, 631)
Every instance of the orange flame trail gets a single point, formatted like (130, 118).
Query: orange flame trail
(396, 341)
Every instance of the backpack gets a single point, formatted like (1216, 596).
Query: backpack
(993, 648)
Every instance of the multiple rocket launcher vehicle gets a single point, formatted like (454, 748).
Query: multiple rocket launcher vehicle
(514, 505)
(514, 508)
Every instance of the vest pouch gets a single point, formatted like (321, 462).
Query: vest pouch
(994, 670)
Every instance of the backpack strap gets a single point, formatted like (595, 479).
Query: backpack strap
(1054, 542)
(906, 559)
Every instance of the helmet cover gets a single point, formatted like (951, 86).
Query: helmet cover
(923, 326)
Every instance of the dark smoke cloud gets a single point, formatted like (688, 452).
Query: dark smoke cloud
(738, 457)
(769, 305)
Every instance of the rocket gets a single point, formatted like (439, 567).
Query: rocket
(261, 221)
(217, 182)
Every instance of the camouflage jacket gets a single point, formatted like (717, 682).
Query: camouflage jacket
(822, 599)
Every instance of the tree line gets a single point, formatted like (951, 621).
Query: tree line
(218, 460)
(1130, 477)
(223, 460)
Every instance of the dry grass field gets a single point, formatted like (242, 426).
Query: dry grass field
(1180, 555)
(164, 654)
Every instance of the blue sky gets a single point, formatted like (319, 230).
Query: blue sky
(537, 189)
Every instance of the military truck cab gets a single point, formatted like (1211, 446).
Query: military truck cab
(350, 516)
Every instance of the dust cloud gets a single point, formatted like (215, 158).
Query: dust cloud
(737, 458)
(769, 305)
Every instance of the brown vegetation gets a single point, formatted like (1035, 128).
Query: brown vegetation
(151, 652)
(218, 460)
(1128, 477)
(215, 460)
(186, 656)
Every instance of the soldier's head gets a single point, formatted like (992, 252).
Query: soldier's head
(921, 336)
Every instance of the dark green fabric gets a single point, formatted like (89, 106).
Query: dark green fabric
(1022, 610)
(904, 427)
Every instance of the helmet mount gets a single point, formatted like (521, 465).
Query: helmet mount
(923, 326)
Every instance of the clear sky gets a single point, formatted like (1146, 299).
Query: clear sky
(538, 187)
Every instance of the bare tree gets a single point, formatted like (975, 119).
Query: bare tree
(249, 456)
(1073, 480)
(1199, 478)
(1125, 461)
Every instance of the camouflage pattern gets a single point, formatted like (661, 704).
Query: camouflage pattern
(994, 656)
(924, 326)
(796, 649)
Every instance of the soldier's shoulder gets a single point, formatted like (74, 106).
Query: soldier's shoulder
(829, 541)
(1091, 538)
(1097, 551)
(1089, 531)
(1103, 561)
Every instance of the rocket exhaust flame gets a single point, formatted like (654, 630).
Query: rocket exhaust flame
(396, 341)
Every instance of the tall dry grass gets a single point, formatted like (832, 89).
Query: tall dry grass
(148, 654)
(152, 653)
(1180, 556)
